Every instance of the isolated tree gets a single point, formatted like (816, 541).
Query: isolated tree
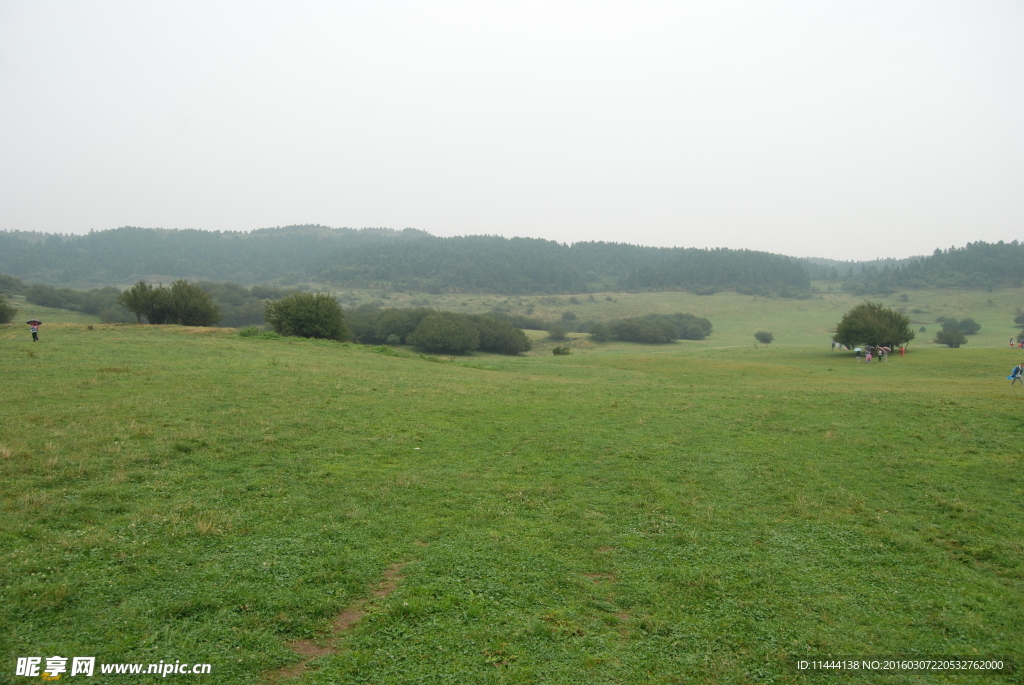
(556, 332)
(969, 326)
(161, 309)
(192, 306)
(950, 336)
(138, 300)
(446, 333)
(871, 323)
(765, 337)
(307, 315)
(7, 310)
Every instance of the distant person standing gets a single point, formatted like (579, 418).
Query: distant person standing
(34, 327)
(1011, 341)
(903, 350)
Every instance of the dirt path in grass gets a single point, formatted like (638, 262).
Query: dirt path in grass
(353, 613)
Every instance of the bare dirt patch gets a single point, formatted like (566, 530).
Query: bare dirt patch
(343, 622)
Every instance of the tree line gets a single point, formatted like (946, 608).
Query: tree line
(976, 265)
(407, 259)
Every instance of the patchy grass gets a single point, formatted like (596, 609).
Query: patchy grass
(624, 514)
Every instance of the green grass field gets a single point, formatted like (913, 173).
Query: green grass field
(697, 512)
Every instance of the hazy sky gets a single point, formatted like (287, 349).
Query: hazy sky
(837, 129)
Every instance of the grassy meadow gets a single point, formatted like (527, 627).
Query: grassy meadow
(696, 512)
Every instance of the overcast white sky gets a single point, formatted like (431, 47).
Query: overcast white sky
(836, 129)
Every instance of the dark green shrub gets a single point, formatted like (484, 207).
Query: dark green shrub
(568, 316)
(560, 351)
(600, 332)
(644, 330)
(400, 322)
(765, 337)
(446, 333)
(556, 332)
(7, 310)
(249, 332)
(500, 336)
(362, 324)
(969, 326)
(307, 315)
(694, 332)
(192, 306)
(161, 310)
(950, 336)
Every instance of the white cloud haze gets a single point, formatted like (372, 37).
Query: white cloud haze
(834, 129)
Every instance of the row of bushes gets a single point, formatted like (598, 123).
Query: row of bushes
(435, 331)
(653, 328)
(183, 303)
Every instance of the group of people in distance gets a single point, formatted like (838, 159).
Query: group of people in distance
(872, 351)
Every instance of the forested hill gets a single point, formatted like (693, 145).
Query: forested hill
(407, 259)
(976, 265)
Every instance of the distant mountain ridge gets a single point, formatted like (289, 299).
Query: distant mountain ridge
(412, 259)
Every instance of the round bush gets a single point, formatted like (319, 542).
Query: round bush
(307, 315)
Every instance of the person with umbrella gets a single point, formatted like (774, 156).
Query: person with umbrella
(34, 325)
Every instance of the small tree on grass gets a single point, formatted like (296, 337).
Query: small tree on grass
(969, 326)
(192, 306)
(556, 332)
(950, 336)
(307, 315)
(871, 323)
(7, 310)
(764, 337)
(138, 299)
